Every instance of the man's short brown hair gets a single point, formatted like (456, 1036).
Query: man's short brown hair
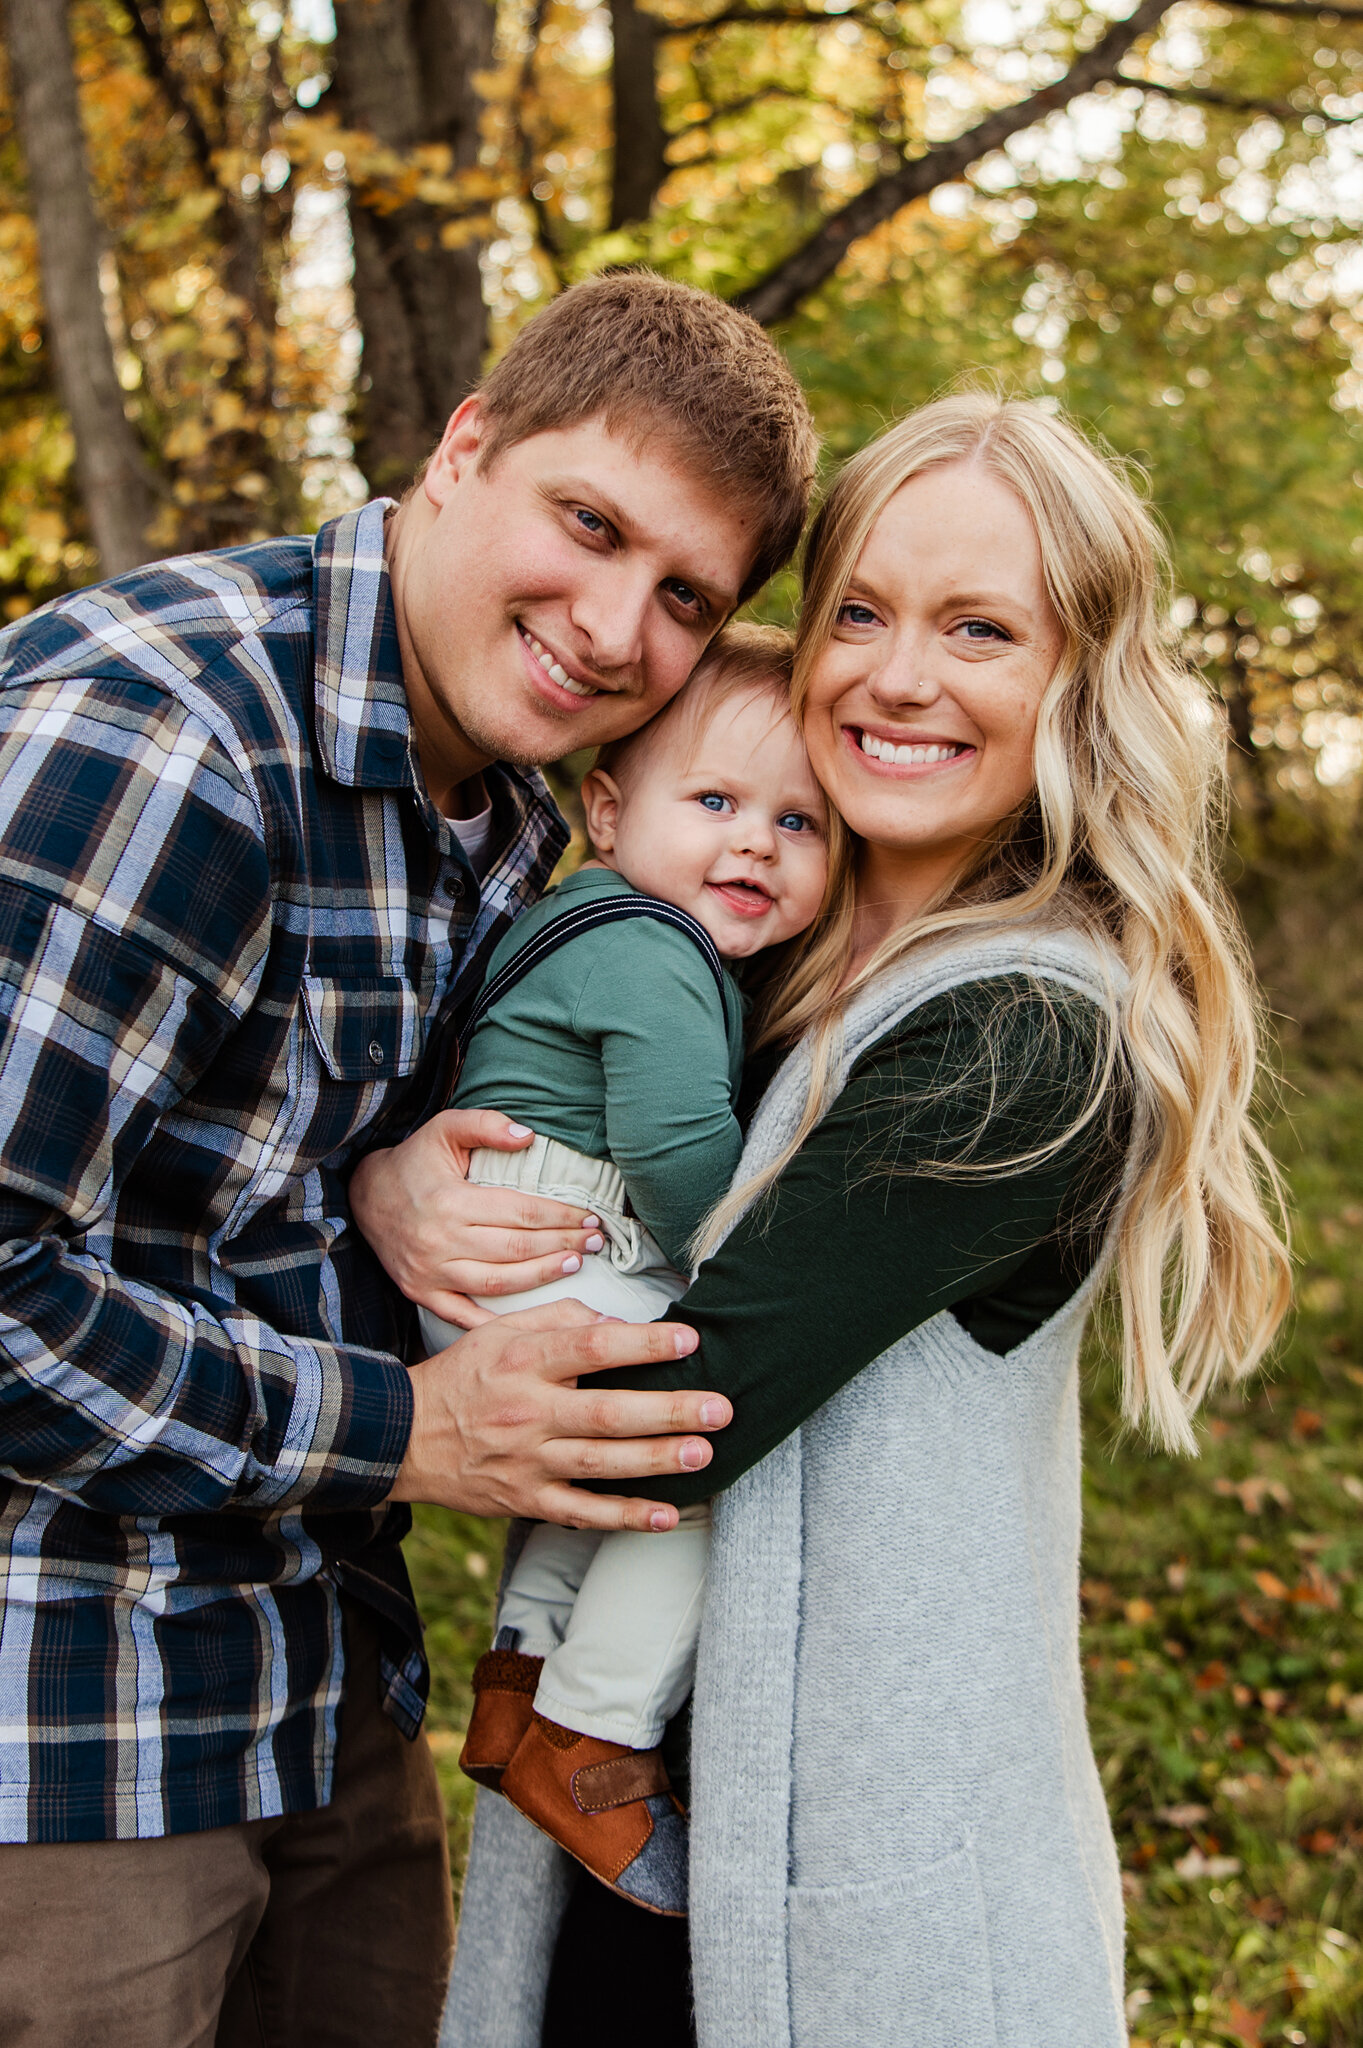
(644, 356)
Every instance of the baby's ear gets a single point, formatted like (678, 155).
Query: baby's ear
(601, 802)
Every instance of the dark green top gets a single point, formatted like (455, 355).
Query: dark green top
(862, 1239)
(619, 1045)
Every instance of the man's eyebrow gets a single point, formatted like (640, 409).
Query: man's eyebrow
(719, 596)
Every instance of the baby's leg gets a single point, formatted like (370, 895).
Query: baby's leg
(627, 1656)
(537, 1600)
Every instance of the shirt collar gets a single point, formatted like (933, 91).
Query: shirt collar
(364, 729)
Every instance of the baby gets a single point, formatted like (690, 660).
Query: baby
(612, 1028)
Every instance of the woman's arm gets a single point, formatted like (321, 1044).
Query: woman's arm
(861, 1241)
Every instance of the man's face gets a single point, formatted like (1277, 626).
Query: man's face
(557, 599)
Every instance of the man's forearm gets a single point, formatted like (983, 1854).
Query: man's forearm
(141, 1404)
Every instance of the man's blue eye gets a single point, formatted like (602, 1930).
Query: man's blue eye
(591, 520)
(712, 802)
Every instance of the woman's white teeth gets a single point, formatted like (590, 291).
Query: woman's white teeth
(904, 757)
(555, 670)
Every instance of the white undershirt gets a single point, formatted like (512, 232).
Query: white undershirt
(475, 835)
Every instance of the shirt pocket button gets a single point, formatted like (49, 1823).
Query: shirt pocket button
(376, 1051)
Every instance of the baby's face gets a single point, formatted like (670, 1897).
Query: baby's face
(732, 829)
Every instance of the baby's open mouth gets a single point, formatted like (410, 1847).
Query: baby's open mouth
(750, 898)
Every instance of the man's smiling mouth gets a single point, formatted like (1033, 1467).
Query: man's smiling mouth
(554, 669)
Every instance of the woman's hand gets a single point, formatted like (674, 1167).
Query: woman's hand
(441, 1240)
(501, 1426)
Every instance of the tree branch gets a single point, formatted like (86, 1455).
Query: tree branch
(782, 289)
(160, 71)
(724, 113)
(1300, 10)
(764, 17)
(1278, 110)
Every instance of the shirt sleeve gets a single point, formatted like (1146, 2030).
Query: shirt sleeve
(867, 1234)
(651, 1005)
(135, 913)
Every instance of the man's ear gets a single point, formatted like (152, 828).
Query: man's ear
(457, 453)
(601, 801)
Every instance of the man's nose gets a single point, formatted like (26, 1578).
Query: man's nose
(610, 611)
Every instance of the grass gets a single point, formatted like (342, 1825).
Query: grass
(1222, 1599)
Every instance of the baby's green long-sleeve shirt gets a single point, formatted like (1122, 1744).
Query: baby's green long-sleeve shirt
(620, 1046)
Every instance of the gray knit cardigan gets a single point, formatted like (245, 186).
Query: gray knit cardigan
(898, 1834)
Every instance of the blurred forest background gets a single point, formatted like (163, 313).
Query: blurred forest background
(253, 251)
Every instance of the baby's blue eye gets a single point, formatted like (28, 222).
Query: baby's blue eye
(712, 801)
(795, 821)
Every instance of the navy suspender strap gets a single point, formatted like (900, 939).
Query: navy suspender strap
(609, 910)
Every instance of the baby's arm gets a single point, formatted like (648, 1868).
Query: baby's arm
(651, 1005)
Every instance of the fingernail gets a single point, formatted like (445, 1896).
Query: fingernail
(571, 1263)
(596, 1244)
(519, 1131)
(591, 1222)
(712, 1413)
(658, 1520)
(686, 1339)
(693, 1456)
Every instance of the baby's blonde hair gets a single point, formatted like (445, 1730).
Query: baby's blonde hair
(1120, 841)
(741, 657)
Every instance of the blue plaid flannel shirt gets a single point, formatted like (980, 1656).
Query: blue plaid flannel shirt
(236, 945)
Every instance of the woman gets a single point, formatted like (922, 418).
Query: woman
(1025, 1056)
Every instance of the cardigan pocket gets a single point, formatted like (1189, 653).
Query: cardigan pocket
(899, 1963)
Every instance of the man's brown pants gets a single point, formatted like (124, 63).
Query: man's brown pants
(322, 1930)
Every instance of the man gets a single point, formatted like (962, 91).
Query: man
(263, 816)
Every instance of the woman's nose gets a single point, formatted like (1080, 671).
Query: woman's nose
(906, 678)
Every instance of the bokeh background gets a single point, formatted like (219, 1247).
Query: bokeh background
(253, 251)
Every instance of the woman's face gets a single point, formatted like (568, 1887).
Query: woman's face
(922, 708)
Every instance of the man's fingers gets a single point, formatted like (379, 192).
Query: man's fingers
(610, 1344)
(575, 1510)
(630, 1458)
(508, 1212)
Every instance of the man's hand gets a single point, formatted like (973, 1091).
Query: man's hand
(502, 1428)
(441, 1240)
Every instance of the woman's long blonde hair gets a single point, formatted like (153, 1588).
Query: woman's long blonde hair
(1119, 841)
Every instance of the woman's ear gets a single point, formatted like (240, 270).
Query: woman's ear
(601, 801)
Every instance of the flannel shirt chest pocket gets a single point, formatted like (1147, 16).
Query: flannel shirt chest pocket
(365, 1029)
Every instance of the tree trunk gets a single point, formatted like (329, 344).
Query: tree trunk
(640, 164)
(404, 73)
(118, 497)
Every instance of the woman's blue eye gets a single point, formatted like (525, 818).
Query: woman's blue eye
(983, 629)
(854, 614)
(712, 801)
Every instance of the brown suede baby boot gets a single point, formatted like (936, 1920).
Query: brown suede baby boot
(504, 1685)
(610, 1807)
